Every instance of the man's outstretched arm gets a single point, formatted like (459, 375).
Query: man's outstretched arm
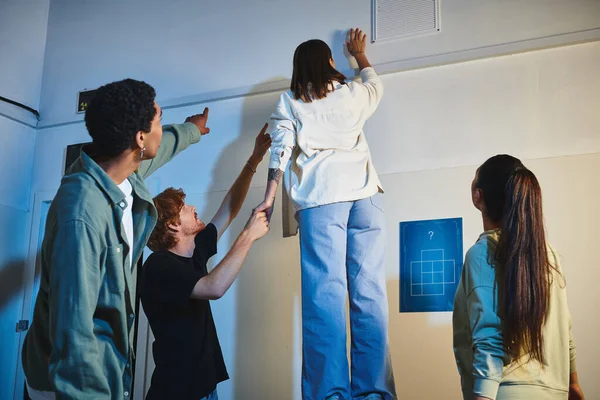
(175, 139)
(214, 285)
(232, 203)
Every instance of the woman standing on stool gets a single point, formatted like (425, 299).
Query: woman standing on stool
(335, 197)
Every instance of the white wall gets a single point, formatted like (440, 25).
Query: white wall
(434, 126)
(22, 41)
(536, 104)
(193, 50)
(16, 168)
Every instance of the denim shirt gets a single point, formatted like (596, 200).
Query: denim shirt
(80, 344)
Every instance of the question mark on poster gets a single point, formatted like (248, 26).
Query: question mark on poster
(430, 235)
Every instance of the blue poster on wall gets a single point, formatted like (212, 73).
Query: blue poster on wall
(431, 258)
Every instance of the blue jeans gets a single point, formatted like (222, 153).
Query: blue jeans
(343, 253)
(211, 396)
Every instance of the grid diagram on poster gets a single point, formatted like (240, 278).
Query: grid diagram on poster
(431, 258)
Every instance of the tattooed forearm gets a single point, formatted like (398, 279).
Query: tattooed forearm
(275, 174)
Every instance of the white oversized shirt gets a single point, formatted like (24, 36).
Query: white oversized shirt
(322, 148)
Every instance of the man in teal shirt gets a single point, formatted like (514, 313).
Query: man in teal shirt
(80, 344)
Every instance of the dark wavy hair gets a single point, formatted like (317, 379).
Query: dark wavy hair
(168, 203)
(118, 111)
(513, 198)
(313, 72)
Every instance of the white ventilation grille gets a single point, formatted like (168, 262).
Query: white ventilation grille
(396, 19)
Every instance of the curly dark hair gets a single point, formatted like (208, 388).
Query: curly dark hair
(168, 203)
(118, 111)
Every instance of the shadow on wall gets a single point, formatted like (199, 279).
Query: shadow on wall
(11, 303)
(11, 280)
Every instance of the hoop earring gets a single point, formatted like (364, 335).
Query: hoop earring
(142, 153)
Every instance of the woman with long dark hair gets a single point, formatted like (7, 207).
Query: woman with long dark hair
(335, 197)
(512, 327)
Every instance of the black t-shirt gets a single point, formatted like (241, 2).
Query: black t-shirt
(187, 354)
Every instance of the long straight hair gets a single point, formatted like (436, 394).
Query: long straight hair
(313, 73)
(513, 198)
